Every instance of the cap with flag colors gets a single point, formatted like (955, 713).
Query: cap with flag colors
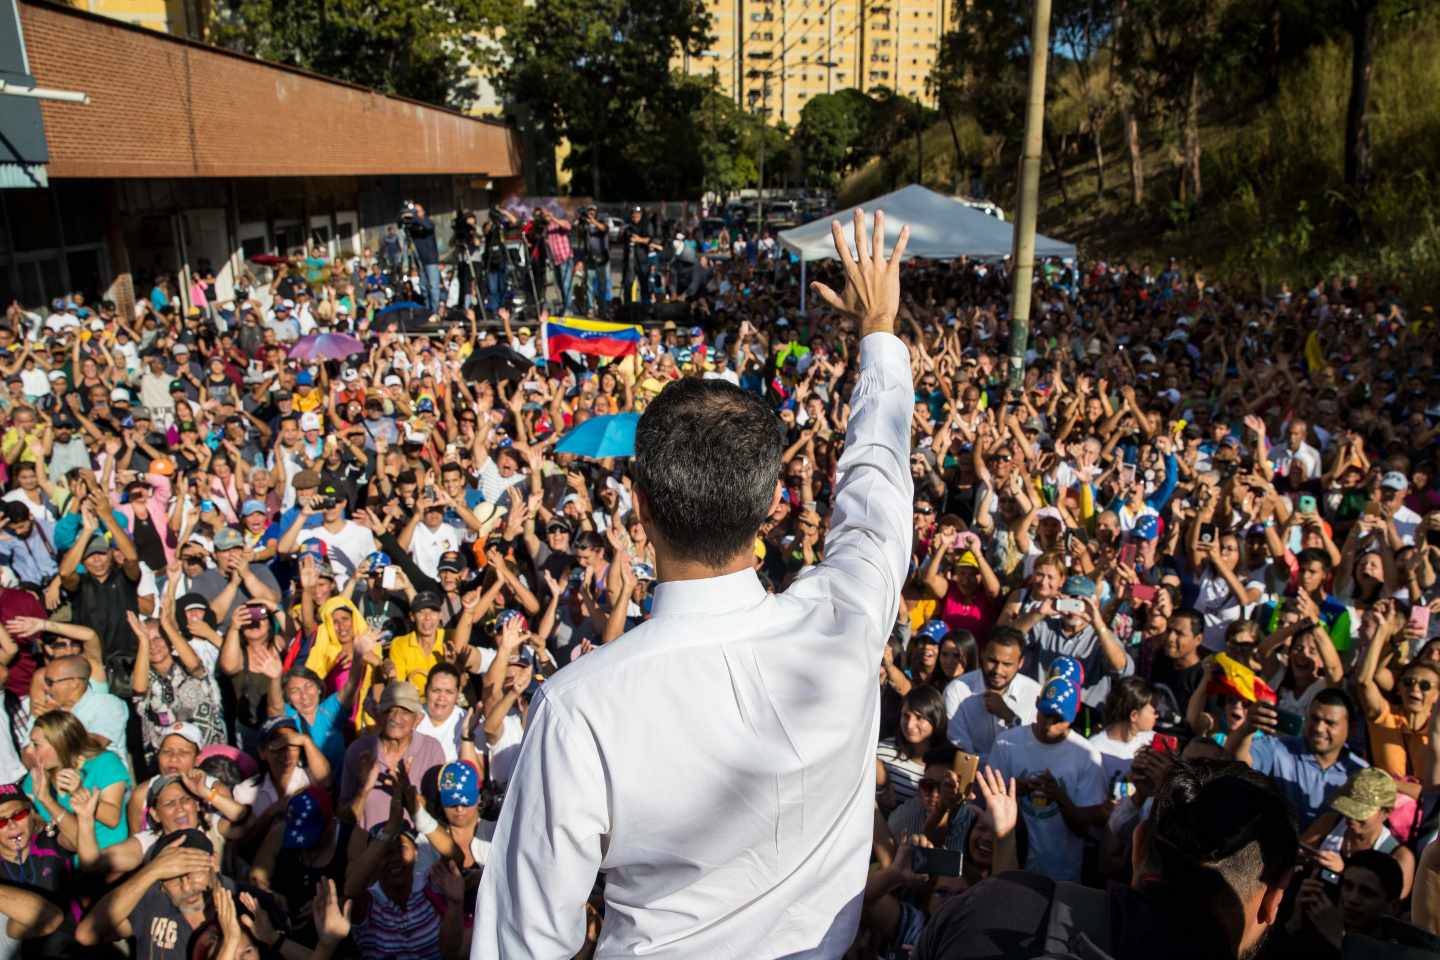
(591, 336)
(1237, 680)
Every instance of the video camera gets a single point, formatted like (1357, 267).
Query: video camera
(408, 212)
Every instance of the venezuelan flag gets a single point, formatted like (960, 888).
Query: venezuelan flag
(1237, 680)
(591, 336)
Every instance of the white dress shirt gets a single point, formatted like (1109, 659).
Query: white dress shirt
(724, 784)
(972, 727)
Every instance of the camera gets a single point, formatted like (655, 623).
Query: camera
(326, 503)
(408, 212)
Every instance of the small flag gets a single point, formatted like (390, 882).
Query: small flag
(591, 336)
(1238, 680)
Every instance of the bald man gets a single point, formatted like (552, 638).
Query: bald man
(71, 688)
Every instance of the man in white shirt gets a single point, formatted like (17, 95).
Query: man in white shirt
(1393, 487)
(1061, 781)
(752, 838)
(1298, 453)
(985, 702)
(350, 539)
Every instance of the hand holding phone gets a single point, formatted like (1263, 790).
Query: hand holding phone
(935, 862)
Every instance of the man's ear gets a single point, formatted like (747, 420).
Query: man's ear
(1271, 899)
(775, 500)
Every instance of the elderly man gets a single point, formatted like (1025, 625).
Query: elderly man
(233, 581)
(104, 715)
(396, 747)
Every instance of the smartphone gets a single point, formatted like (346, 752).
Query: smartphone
(389, 577)
(1208, 532)
(1307, 504)
(965, 765)
(1165, 743)
(1289, 724)
(1142, 593)
(1127, 474)
(1420, 619)
(939, 863)
(1069, 605)
(254, 613)
(1127, 555)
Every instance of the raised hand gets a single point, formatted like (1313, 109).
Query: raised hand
(1001, 805)
(872, 283)
(332, 917)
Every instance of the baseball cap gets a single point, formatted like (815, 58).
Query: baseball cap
(1395, 480)
(304, 379)
(558, 526)
(306, 479)
(119, 395)
(933, 631)
(306, 815)
(1059, 698)
(177, 385)
(180, 348)
(452, 561)
(459, 784)
(187, 731)
(252, 506)
(274, 725)
(310, 421)
(427, 600)
(967, 559)
(402, 694)
(1050, 513)
(97, 544)
(349, 375)
(1366, 792)
(523, 331)
(228, 539)
(1068, 668)
(1146, 528)
(187, 839)
(157, 784)
(1078, 586)
(191, 601)
(392, 380)
(56, 375)
(697, 332)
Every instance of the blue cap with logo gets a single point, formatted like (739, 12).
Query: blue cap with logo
(1059, 698)
(1147, 527)
(1078, 586)
(933, 631)
(1067, 668)
(306, 815)
(459, 784)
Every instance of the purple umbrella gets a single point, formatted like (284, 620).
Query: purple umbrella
(326, 346)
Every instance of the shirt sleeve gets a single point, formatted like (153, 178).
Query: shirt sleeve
(867, 550)
(1262, 754)
(1089, 790)
(532, 894)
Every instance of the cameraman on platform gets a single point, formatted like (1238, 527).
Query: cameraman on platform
(496, 288)
(597, 258)
(422, 234)
(636, 240)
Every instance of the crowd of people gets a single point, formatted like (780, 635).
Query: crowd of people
(270, 626)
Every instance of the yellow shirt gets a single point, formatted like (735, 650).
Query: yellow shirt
(412, 660)
(13, 439)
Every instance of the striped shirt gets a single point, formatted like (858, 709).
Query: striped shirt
(557, 241)
(903, 773)
(410, 930)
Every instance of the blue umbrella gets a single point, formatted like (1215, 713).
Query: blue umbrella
(601, 437)
(400, 305)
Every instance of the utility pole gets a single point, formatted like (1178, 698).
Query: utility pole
(1023, 255)
(760, 195)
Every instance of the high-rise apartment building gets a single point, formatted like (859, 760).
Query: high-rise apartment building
(777, 54)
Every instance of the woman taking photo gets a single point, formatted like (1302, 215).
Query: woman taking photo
(1129, 725)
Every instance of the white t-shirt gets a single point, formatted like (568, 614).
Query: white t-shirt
(1116, 755)
(353, 540)
(1406, 522)
(427, 545)
(1054, 850)
(261, 796)
(506, 751)
(444, 732)
(1220, 607)
(35, 382)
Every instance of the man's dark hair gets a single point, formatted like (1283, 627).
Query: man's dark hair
(1195, 617)
(1338, 697)
(1314, 555)
(707, 457)
(447, 669)
(1385, 868)
(943, 754)
(1215, 827)
(1006, 637)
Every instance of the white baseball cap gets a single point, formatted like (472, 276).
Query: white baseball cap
(310, 421)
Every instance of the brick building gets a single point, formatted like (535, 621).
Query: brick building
(188, 155)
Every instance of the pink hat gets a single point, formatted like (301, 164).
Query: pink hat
(246, 763)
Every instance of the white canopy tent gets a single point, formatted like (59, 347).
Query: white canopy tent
(941, 228)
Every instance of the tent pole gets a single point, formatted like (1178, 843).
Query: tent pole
(1023, 262)
(802, 284)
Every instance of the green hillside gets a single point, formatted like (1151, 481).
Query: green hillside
(1274, 205)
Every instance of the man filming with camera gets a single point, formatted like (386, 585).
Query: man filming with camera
(421, 230)
(494, 258)
(597, 257)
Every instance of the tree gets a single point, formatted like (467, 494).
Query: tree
(830, 131)
(1083, 28)
(417, 50)
(598, 73)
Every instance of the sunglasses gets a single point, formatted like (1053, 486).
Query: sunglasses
(192, 558)
(928, 786)
(17, 817)
(59, 680)
(1415, 683)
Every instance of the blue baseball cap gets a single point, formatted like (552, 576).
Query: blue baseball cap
(426, 405)
(933, 631)
(378, 560)
(303, 378)
(1078, 586)
(1067, 668)
(306, 815)
(1146, 528)
(252, 506)
(1059, 698)
(459, 784)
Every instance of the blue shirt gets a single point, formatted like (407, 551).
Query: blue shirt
(29, 558)
(1294, 768)
(327, 731)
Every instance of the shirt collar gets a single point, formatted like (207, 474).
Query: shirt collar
(708, 595)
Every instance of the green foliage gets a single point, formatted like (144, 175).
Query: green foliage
(831, 134)
(417, 50)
